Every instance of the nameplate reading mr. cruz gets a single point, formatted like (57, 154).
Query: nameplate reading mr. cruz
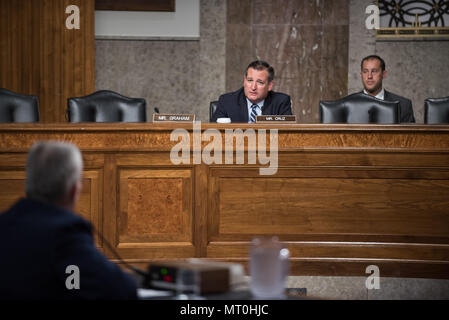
(159, 117)
(276, 119)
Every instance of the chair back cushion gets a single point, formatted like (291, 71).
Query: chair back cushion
(436, 110)
(106, 106)
(15, 107)
(359, 108)
(212, 108)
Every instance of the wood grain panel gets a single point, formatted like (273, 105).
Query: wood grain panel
(325, 201)
(110, 202)
(90, 204)
(18, 67)
(155, 205)
(419, 139)
(367, 140)
(40, 56)
(343, 197)
(365, 159)
(357, 267)
(12, 187)
(329, 249)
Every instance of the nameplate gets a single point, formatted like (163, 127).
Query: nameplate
(166, 117)
(276, 119)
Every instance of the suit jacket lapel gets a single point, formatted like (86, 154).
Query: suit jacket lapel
(266, 110)
(243, 106)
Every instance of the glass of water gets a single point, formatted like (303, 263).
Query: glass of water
(269, 268)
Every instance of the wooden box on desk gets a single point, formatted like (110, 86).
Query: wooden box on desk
(188, 277)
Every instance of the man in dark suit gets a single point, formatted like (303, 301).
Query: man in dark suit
(46, 250)
(372, 74)
(254, 98)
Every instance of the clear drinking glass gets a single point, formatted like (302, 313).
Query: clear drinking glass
(269, 267)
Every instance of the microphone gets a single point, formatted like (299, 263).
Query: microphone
(156, 109)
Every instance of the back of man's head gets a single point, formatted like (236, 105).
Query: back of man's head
(53, 169)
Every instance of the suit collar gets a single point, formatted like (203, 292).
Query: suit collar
(386, 93)
(380, 95)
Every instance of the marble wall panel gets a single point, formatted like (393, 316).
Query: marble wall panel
(295, 53)
(239, 53)
(239, 46)
(416, 70)
(212, 55)
(299, 38)
(177, 76)
(362, 42)
(334, 62)
(335, 12)
(287, 12)
(239, 12)
(165, 73)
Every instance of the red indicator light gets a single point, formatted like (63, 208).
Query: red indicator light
(167, 278)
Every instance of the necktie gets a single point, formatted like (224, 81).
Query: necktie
(253, 113)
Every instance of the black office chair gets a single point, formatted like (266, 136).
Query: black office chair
(359, 108)
(436, 110)
(212, 108)
(106, 106)
(16, 107)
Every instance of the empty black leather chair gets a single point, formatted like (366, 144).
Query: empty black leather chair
(436, 110)
(16, 107)
(212, 108)
(106, 106)
(359, 108)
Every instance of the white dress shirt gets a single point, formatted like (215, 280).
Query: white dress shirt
(380, 95)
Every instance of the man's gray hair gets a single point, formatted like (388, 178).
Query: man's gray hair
(53, 168)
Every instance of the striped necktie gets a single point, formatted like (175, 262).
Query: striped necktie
(253, 113)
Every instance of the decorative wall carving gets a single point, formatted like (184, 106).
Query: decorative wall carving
(415, 19)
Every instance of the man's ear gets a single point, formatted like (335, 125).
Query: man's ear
(384, 74)
(270, 85)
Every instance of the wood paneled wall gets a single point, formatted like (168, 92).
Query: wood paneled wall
(344, 196)
(40, 56)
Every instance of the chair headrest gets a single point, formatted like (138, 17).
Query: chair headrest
(359, 108)
(106, 106)
(436, 110)
(16, 107)
(212, 108)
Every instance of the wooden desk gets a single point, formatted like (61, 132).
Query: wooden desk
(344, 196)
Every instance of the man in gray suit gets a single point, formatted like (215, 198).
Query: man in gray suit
(372, 74)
